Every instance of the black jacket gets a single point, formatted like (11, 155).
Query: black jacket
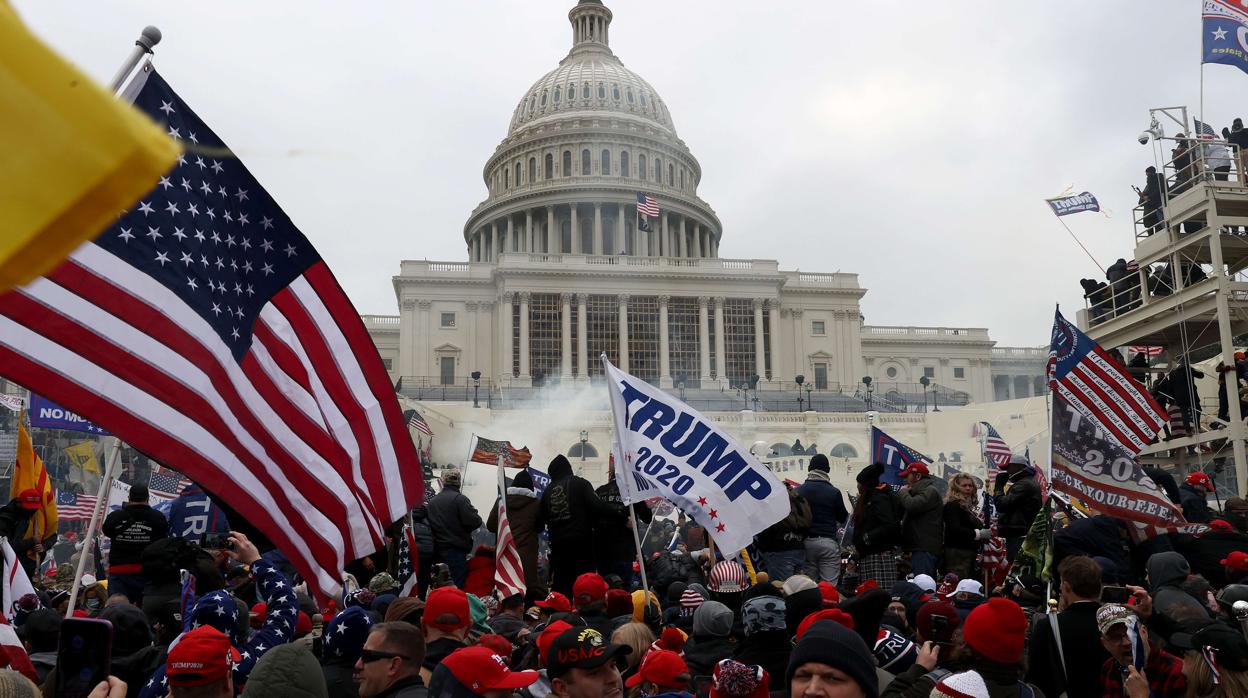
(827, 507)
(452, 518)
(703, 653)
(14, 521)
(132, 528)
(960, 527)
(613, 542)
(570, 509)
(1081, 648)
(923, 527)
(880, 528)
(1017, 508)
(769, 649)
(1195, 505)
(1208, 550)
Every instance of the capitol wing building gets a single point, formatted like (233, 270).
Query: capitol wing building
(562, 267)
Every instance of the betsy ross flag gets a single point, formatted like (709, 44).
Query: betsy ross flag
(647, 208)
(996, 450)
(490, 452)
(75, 507)
(417, 422)
(1086, 376)
(203, 329)
(508, 570)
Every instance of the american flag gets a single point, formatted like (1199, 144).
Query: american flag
(71, 506)
(204, 329)
(1087, 377)
(647, 206)
(1204, 130)
(417, 422)
(508, 570)
(166, 481)
(405, 573)
(996, 450)
(1150, 352)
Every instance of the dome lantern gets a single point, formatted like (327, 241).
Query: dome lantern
(591, 22)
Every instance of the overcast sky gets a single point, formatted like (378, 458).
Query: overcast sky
(912, 145)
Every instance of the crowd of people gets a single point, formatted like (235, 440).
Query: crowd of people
(889, 591)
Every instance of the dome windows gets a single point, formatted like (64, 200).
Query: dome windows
(517, 173)
(658, 170)
(643, 98)
(615, 92)
(558, 94)
(628, 91)
(585, 90)
(641, 167)
(624, 164)
(585, 158)
(671, 175)
(682, 178)
(602, 91)
(507, 178)
(606, 162)
(543, 102)
(549, 169)
(567, 163)
(532, 170)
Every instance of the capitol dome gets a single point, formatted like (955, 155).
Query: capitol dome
(587, 142)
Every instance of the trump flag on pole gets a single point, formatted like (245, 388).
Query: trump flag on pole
(667, 449)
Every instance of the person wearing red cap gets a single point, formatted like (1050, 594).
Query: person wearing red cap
(1208, 550)
(582, 664)
(15, 519)
(201, 664)
(478, 671)
(993, 636)
(552, 604)
(1236, 565)
(1194, 497)
(390, 665)
(446, 620)
(662, 673)
(589, 593)
(922, 529)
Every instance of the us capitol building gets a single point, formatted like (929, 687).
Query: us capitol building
(559, 270)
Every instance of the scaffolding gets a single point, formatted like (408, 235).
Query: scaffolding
(1187, 289)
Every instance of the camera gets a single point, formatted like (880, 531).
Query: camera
(1143, 137)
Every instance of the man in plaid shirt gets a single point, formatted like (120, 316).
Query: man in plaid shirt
(1162, 670)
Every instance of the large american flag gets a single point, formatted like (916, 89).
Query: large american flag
(204, 330)
(1087, 377)
(71, 506)
(996, 451)
(508, 570)
(647, 205)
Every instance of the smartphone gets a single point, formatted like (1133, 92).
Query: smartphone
(1113, 594)
(702, 686)
(215, 541)
(83, 656)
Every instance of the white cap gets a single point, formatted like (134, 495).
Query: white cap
(969, 585)
(88, 580)
(925, 582)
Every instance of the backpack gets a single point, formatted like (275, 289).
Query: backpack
(799, 518)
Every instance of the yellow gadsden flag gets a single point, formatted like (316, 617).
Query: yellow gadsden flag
(74, 157)
(82, 454)
(29, 474)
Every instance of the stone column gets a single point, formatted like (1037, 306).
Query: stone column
(1010, 387)
(424, 359)
(552, 234)
(505, 343)
(714, 245)
(620, 242)
(799, 355)
(474, 248)
(582, 336)
(525, 375)
(721, 361)
(528, 230)
(511, 234)
(697, 240)
(470, 352)
(407, 338)
(493, 242)
(576, 229)
(760, 357)
(597, 228)
(773, 309)
(704, 341)
(624, 333)
(565, 337)
(680, 241)
(665, 241)
(665, 362)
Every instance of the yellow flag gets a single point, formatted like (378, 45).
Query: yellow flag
(29, 474)
(74, 157)
(82, 454)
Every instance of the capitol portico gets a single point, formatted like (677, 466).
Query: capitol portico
(562, 268)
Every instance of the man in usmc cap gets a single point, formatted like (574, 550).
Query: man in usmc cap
(582, 664)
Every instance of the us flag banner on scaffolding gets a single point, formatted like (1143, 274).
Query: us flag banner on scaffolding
(1088, 378)
(204, 329)
(1089, 466)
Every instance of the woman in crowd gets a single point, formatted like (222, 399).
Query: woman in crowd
(964, 530)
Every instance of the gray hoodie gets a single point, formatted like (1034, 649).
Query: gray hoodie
(287, 670)
(1179, 610)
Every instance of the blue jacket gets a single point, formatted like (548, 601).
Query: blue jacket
(1195, 505)
(827, 507)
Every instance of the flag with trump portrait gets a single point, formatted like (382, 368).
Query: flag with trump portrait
(203, 329)
(668, 449)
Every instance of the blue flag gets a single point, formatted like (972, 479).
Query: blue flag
(894, 455)
(1225, 33)
(1075, 203)
(540, 480)
(49, 415)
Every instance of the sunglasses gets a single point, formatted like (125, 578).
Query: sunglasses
(369, 656)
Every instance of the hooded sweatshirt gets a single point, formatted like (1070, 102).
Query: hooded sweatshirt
(287, 670)
(1178, 611)
(570, 510)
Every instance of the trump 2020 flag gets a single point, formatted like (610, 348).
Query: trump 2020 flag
(1095, 383)
(1224, 25)
(894, 455)
(1074, 203)
(670, 450)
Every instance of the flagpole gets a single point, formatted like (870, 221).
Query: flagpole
(641, 558)
(149, 37)
(106, 482)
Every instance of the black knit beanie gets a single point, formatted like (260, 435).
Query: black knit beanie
(829, 642)
(820, 463)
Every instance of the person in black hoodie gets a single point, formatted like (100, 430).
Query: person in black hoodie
(613, 543)
(767, 640)
(132, 528)
(569, 512)
(134, 657)
(1017, 504)
(877, 528)
(1209, 549)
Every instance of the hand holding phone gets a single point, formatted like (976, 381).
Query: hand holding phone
(1115, 594)
(83, 656)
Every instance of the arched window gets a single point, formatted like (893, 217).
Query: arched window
(643, 99)
(602, 91)
(543, 98)
(585, 161)
(658, 170)
(844, 450)
(615, 92)
(671, 175)
(550, 166)
(682, 178)
(585, 91)
(517, 173)
(532, 170)
(558, 94)
(507, 178)
(624, 164)
(567, 163)
(606, 162)
(641, 167)
(628, 91)
(575, 451)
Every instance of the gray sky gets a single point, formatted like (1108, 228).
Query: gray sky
(911, 145)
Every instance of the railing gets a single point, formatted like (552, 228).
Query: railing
(1020, 353)
(381, 321)
(964, 333)
(1208, 160)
